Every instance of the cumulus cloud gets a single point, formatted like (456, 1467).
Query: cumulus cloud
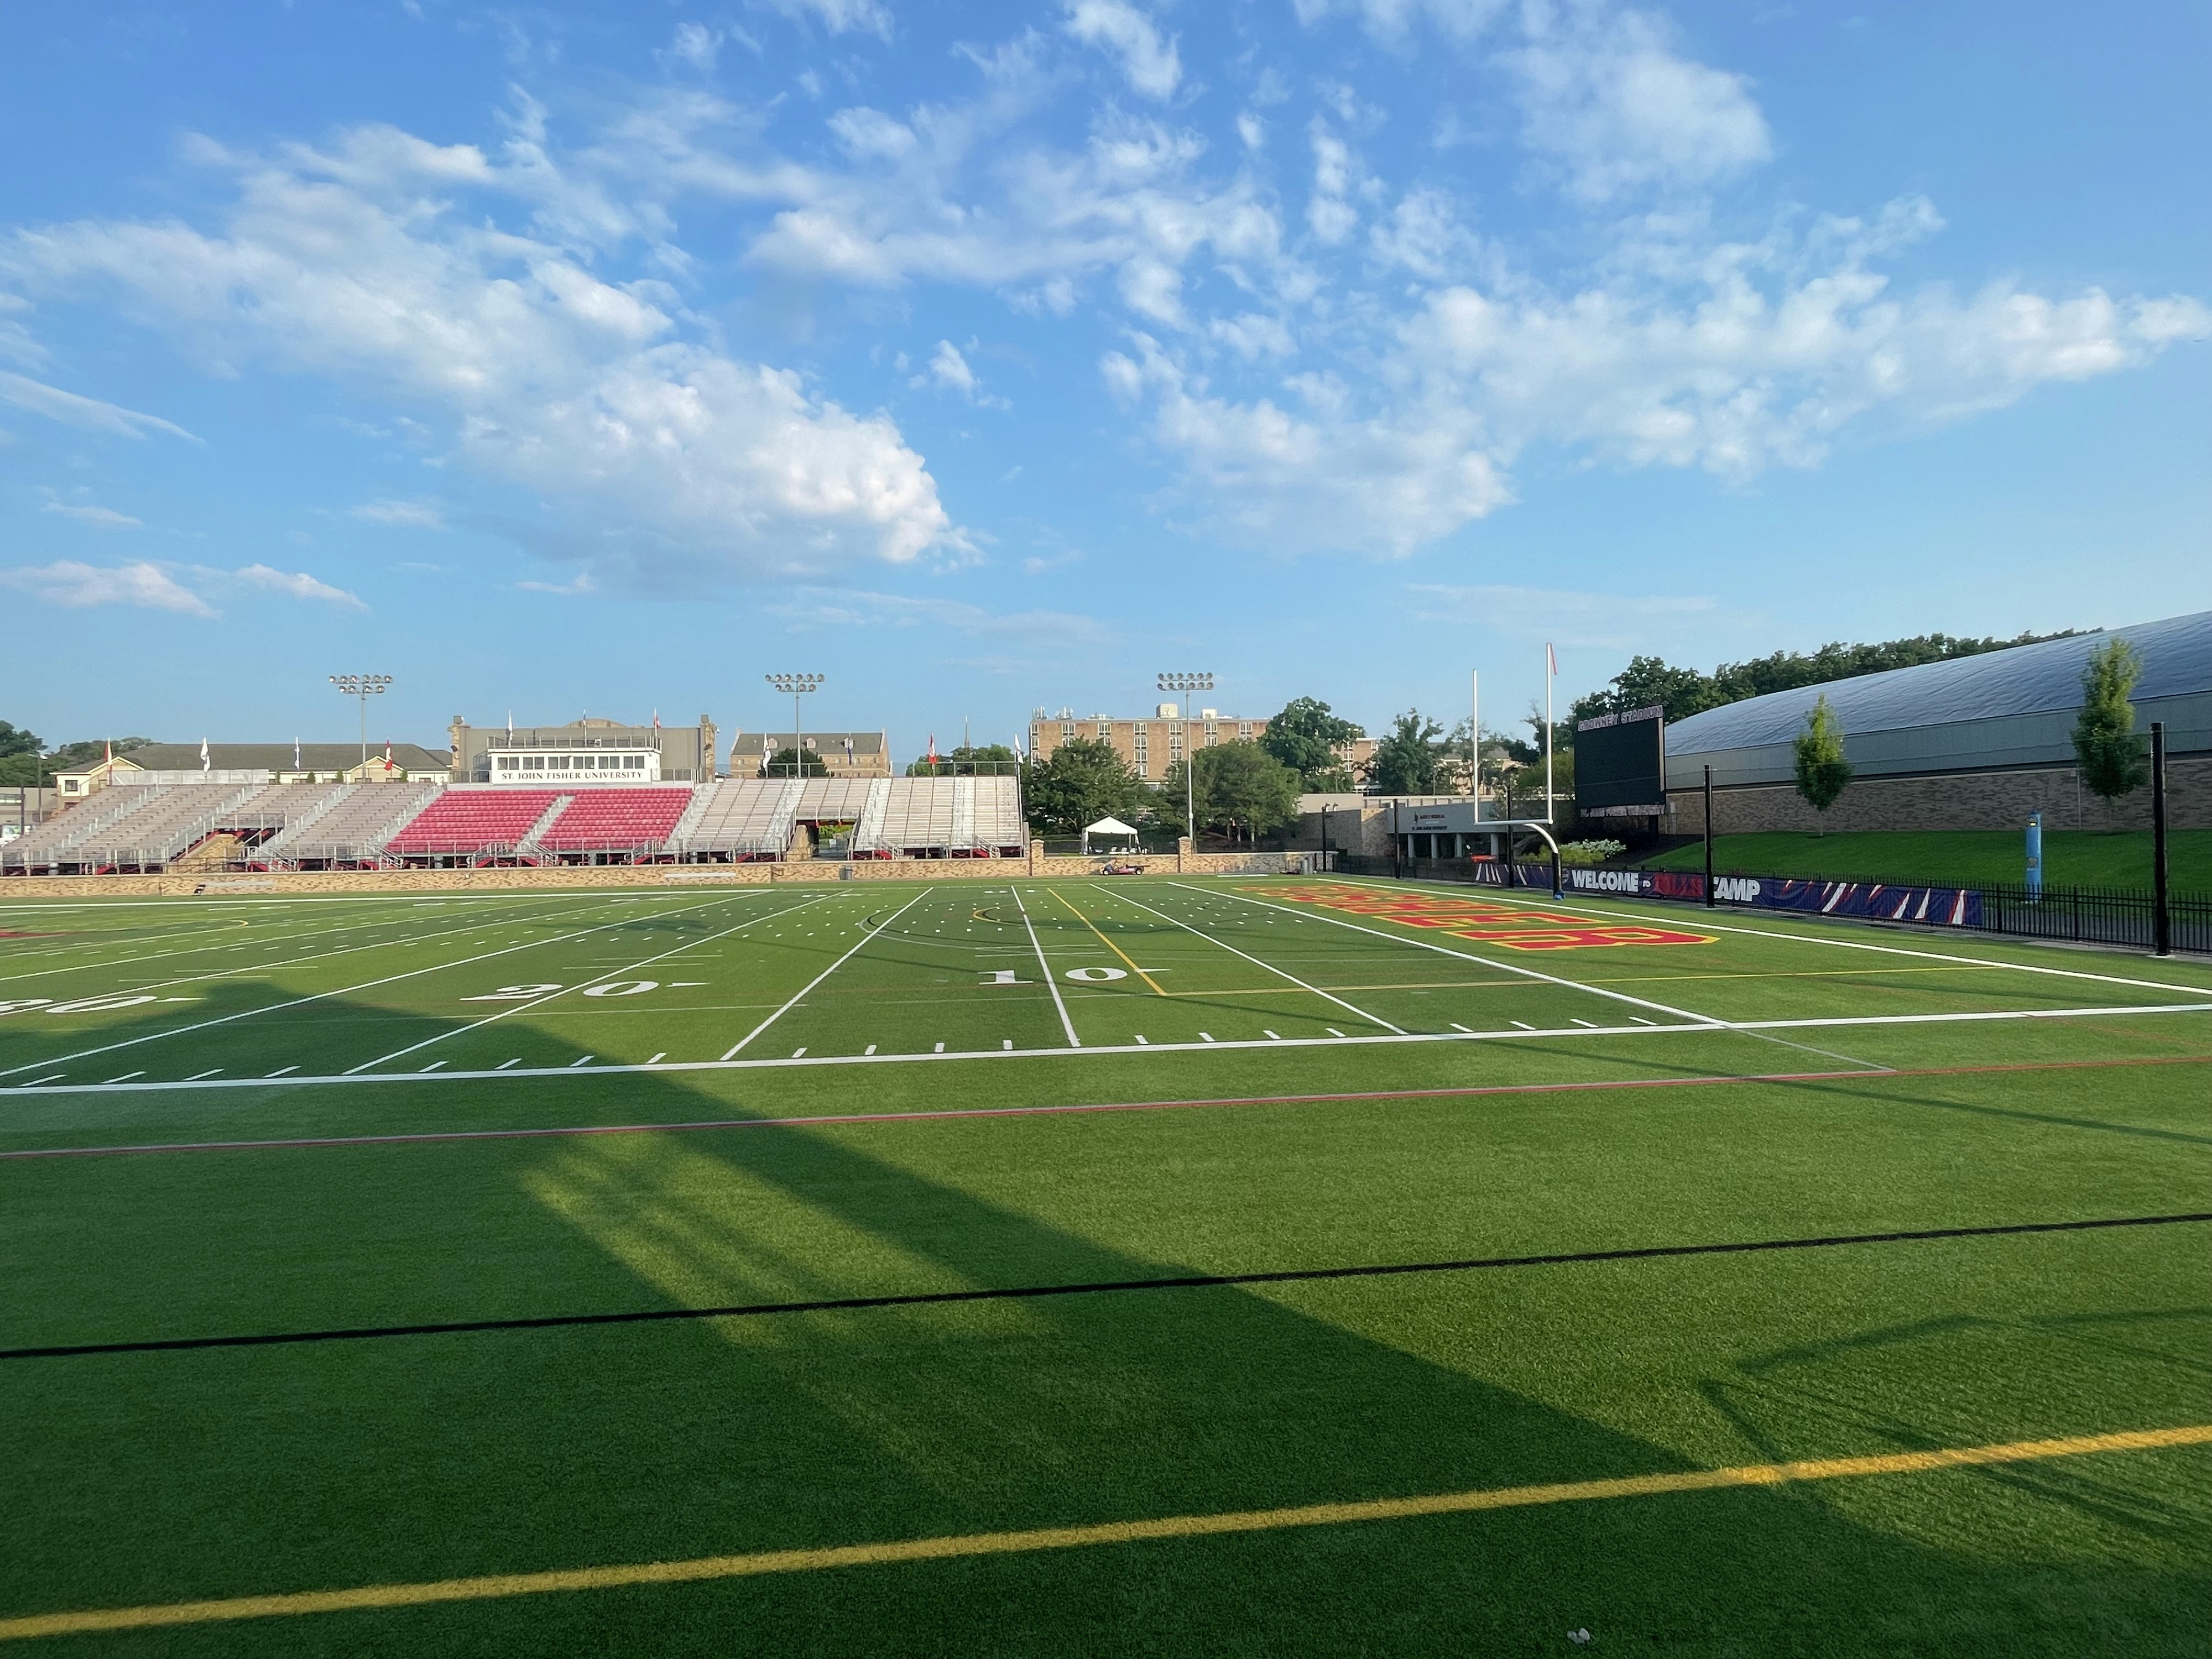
(1605, 96)
(359, 265)
(949, 371)
(1329, 480)
(66, 582)
(1150, 64)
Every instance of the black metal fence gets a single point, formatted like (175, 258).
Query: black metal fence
(2121, 916)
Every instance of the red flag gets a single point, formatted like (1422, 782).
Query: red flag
(932, 757)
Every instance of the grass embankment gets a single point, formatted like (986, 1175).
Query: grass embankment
(2082, 858)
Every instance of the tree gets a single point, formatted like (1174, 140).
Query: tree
(1409, 760)
(1682, 692)
(2104, 737)
(1822, 770)
(1084, 780)
(23, 765)
(1305, 737)
(1241, 791)
(808, 763)
(983, 760)
(16, 740)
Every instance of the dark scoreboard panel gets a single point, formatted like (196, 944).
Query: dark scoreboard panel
(1620, 762)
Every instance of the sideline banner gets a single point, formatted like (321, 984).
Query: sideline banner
(1939, 907)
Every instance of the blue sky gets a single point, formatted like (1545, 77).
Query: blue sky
(980, 357)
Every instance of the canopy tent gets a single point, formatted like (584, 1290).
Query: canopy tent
(1106, 827)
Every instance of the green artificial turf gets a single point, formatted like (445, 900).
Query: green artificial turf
(2081, 858)
(1609, 1120)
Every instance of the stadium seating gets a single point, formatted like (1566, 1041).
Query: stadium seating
(352, 829)
(617, 820)
(473, 821)
(148, 825)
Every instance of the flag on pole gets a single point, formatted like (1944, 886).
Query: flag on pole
(296, 754)
(1551, 658)
(510, 722)
(204, 755)
(932, 757)
(387, 757)
(656, 719)
(111, 751)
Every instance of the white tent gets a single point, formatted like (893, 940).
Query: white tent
(1106, 827)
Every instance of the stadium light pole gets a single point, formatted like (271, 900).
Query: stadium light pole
(795, 686)
(363, 687)
(1185, 684)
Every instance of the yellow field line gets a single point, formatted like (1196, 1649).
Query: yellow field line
(1108, 943)
(1060, 1538)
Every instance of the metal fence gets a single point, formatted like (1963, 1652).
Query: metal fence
(2121, 916)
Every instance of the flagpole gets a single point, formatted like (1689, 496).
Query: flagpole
(1551, 673)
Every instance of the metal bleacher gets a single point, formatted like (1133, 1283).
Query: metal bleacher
(229, 822)
(351, 831)
(160, 822)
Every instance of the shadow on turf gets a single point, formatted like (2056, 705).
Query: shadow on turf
(157, 1476)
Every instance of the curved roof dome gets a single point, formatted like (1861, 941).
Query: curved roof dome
(2022, 679)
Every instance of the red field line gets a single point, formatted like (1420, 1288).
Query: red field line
(1106, 1106)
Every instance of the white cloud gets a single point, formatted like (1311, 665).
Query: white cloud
(87, 512)
(295, 585)
(1600, 620)
(416, 515)
(67, 582)
(847, 608)
(948, 370)
(582, 584)
(1330, 217)
(1606, 97)
(696, 45)
(840, 16)
(541, 371)
(1332, 481)
(1150, 64)
(89, 413)
(1394, 22)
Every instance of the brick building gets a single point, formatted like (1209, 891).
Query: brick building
(1153, 745)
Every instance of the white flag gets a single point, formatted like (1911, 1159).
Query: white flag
(204, 755)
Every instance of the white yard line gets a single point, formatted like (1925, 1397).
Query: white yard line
(512, 1068)
(1045, 968)
(1661, 914)
(1372, 1019)
(224, 940)
(865, 937)
(245, 969)
(344, 990)
(597, 979)
(1487, 961)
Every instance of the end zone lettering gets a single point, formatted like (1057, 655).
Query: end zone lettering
(1513, 928)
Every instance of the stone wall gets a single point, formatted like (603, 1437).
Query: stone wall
(1958, 800)
(682, 876)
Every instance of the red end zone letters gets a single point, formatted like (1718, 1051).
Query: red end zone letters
(1515, 927)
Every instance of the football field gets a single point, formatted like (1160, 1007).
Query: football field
(1248, 1265)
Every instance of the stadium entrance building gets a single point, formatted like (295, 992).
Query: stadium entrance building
(588, 751)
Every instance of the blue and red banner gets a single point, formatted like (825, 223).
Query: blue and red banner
(1935, 907)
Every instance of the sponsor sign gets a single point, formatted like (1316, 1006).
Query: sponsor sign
(1937, 907)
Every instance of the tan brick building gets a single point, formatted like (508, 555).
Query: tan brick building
(1151, 746)
(844, 754)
